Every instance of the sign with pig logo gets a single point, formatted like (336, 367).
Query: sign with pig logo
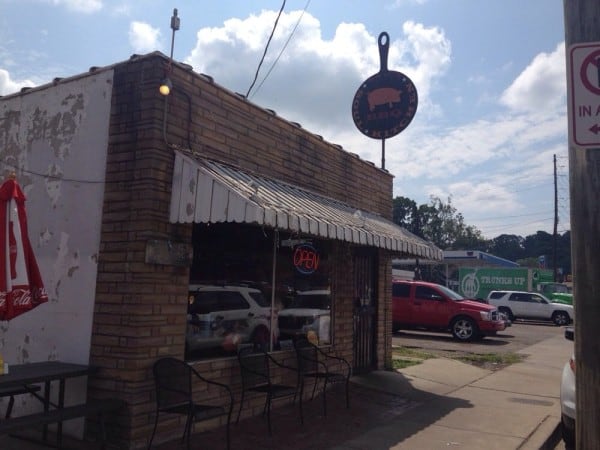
(386, 103)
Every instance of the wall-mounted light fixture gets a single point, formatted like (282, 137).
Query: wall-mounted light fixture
(166, 85)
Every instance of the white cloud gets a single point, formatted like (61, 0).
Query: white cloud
(400, 3)
(82, 6)
(542, 85)
(8, 86)
(314, 79)
(143, 38)
(485, 197)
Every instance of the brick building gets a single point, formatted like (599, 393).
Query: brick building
(132, 196)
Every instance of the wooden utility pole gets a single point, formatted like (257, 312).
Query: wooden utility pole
(555, 236)
(582, 40)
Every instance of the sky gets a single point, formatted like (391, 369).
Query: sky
(490, 77)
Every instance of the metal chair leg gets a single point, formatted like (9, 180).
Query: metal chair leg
(11, 403)
(240, 409)
(153, 431)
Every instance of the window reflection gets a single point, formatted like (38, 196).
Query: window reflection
(232, 301)
(309, 314)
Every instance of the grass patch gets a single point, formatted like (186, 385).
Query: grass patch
(403, 357)
(400, 352)
(491, 358)
(404, 363)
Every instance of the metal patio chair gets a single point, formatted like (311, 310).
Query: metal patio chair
(315, 363)
(255, 370)
(174, 380)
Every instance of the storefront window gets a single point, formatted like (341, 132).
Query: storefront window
(232, 301)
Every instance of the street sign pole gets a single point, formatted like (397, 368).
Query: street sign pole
(582, 42)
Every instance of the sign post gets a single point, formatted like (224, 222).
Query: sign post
(582, 40)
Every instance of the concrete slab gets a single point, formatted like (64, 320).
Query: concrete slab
(507, 400)
(397, 383)
(550, 351)
(413, 437)
(517, 421)
(446, 371)
(524, 379)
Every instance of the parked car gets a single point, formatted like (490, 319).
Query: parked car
(309, 312)
(556, 292)
(567, 396)
(503, 316)
(530, 305)
(227, 316)
(424, 305)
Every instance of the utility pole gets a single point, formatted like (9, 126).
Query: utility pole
(555, 237)
(582, 45)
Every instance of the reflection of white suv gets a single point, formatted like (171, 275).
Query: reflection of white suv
(530, 305)
(226, 316)
(310, 311)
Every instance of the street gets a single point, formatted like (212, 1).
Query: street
(521, 334)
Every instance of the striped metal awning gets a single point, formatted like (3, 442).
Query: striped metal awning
(205, 191)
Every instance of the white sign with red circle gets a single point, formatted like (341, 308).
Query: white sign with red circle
(584, 83)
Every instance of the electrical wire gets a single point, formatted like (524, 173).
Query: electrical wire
(51, 177)
(283, 48)
(266, 48)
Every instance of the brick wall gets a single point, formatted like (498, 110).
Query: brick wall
(140, 308)
(226, 127)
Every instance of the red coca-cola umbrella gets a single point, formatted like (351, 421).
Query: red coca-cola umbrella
(21, 286)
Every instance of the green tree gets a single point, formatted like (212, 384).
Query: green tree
(437, 222)
(405, 213)
(508, 246)
(440, 223)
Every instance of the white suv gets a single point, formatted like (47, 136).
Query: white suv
(530, 305)
(568, 406)
(309, 312)
(227, 316)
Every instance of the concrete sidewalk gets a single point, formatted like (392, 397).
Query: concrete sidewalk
(466, 407)
(438, 404)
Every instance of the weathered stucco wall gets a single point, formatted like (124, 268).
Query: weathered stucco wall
(55, 139)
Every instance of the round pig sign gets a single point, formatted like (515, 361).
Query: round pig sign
(386, 103)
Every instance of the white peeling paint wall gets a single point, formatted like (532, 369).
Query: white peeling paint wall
(56, 139)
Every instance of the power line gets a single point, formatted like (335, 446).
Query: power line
(515, 216)
(266, 48)
(51, 177)
(515, 224)
(283, 48)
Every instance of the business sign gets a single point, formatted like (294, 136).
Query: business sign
(386, 102)
(478, 282)
(306, 259)
(584, 83)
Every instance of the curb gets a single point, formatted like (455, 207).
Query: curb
(553, 439)
(545, 437)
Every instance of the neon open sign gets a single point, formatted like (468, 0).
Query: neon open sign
(306, 259)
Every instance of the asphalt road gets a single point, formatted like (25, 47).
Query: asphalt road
(514, 338)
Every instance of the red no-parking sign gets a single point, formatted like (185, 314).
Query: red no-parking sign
(584, 83)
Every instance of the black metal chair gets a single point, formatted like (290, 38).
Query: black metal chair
(315, 363)
(174, 380)
(255, 370)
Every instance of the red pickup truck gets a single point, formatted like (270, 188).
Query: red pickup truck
(423, 305)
